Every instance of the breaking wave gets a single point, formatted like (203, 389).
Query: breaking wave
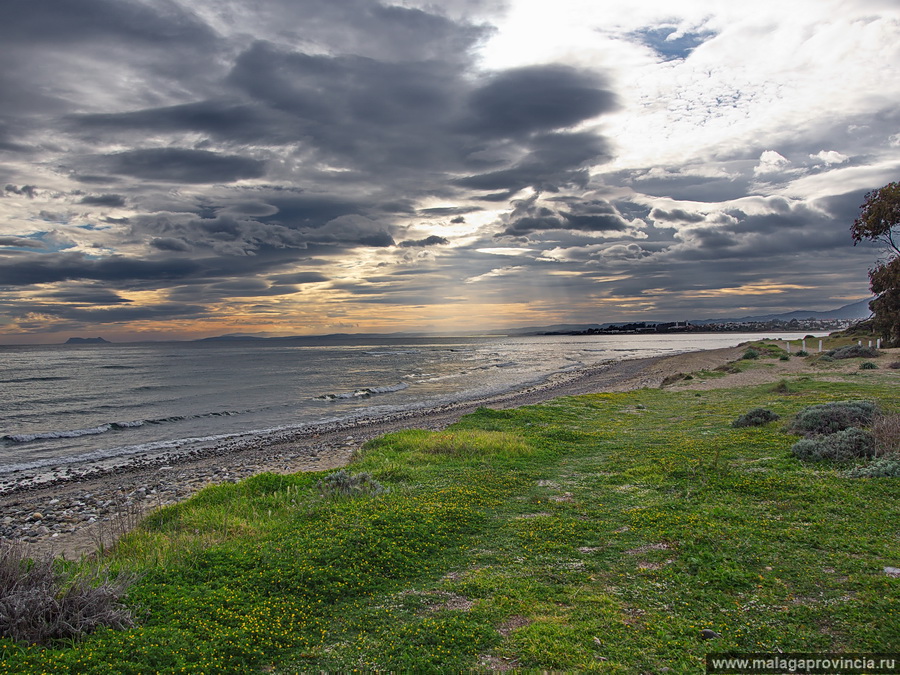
(108, 426)
(363, 393)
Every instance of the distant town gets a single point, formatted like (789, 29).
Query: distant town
(772, 325)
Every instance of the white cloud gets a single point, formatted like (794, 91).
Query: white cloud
(770, 162)
(494, 273)
(830, 157)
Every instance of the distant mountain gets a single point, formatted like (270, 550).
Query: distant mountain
(87, 341)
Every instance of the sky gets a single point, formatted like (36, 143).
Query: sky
(176, 169)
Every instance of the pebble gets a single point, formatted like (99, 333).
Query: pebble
(134, 493)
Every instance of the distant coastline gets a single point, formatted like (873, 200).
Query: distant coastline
(774, 326)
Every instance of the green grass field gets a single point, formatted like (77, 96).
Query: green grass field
(602, 532)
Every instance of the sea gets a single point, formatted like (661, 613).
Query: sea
(73, 404)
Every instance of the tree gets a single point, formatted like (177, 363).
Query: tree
(879, 221)
(885, 283)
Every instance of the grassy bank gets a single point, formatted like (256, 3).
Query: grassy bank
(602, 532)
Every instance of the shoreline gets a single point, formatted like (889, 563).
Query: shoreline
(76, 513)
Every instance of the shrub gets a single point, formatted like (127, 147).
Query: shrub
(782, 387)
(803, 352)
(829, 418)
(672, 379)
(784, 357)
(886, 430)
(40, 603)
(886, 466)
(853, 352)
(343, 484)
(755, 418)
(841, 446)
(868, 365)
(729, 368)
(750, 354)
(894, 365)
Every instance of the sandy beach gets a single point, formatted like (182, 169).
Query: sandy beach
(78, 512)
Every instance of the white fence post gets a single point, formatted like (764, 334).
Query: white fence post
(820, 346)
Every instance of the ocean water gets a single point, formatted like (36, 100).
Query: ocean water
(74, 404)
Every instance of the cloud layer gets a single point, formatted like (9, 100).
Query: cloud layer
(176, 169)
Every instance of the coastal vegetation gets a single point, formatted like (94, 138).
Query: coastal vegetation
(616, 532)
(879, 221)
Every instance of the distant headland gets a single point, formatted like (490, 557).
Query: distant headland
(87, 341)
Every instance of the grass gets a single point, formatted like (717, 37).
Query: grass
(599, 532)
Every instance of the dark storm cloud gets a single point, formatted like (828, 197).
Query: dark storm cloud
(299, 278)
(676, 216)
(247, 288)
(103, 200)
(49, 45)
(88, 296)
(43, 269)
(21, 242)
(450, 211)
(95, 180)
(55, 22)
(122, 314)
(170, 244)
(311, 211)
(589, 216)
(555, 160)
(229, 235)
(433, 240)
(226, 235)
(177, 165)
(394, 117)
(27, 190)
(537, 98)
(220, 119)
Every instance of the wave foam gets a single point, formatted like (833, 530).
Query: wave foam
(108, 426)
(364, 392)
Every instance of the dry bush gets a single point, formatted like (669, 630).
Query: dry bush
(40, 603)
(344, 484)
(886, 430)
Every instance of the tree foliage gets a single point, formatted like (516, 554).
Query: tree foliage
(878, 217)
(879, 221)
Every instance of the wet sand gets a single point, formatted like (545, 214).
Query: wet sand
(79, 511)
